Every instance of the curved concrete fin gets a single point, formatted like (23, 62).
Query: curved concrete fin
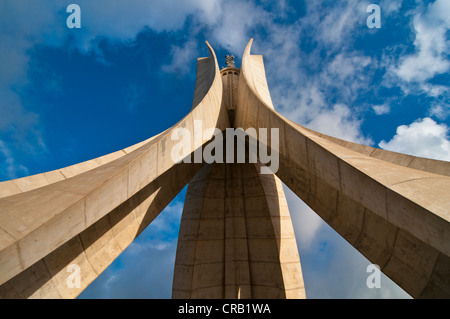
(416, 162)
(25, 184)
(87, 219)
(395, 215)
(257, 80)
(205, 76)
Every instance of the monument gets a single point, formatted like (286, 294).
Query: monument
(236, 237)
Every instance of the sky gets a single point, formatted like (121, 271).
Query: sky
(68, 95)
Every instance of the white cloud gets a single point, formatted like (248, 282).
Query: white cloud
(346, 65)
(431, 45)
(416, 73)
(349, 73)
(304, 95)
(123, 20)
(182, 57)
(8, 163)
(339, 122)
(381, 109)
(232, 30)
(440, 110)
(333, 23)
(390, 6)
(424, 138)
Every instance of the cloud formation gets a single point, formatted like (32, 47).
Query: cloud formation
(424, 138)
(431, 45)
(381, 109)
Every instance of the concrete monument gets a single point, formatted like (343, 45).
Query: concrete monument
(236, 237)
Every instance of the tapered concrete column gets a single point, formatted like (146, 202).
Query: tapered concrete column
(236, 237)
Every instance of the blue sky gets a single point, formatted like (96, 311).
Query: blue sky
(70, 95)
